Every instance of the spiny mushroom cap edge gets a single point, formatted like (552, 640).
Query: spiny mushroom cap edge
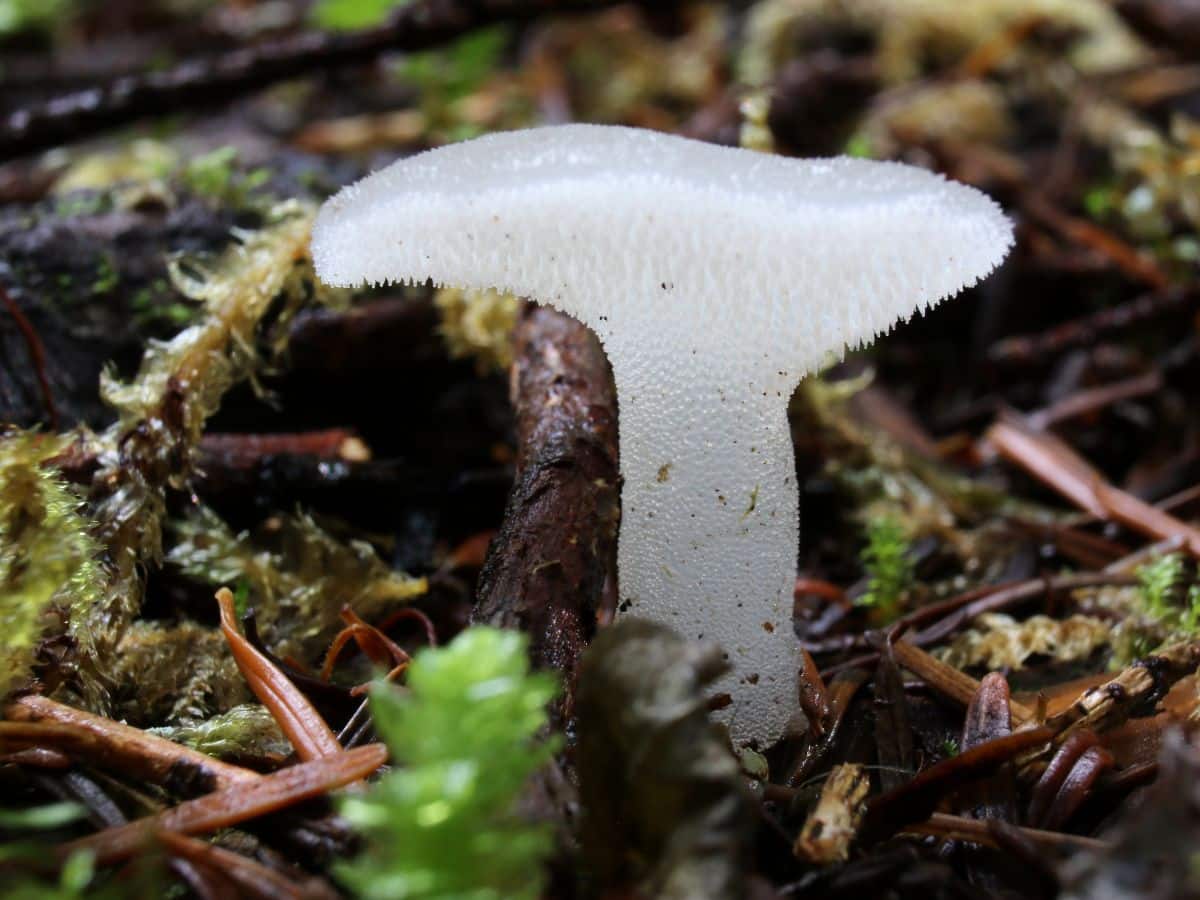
(625, 228)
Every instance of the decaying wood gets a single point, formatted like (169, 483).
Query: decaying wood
(1103, 707)
(546, 570)
(114, 746)
(830, 827)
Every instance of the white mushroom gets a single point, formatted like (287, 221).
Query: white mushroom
(716, 279)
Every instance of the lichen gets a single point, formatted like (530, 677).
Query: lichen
(999, 641)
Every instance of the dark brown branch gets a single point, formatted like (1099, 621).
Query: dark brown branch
(547, 568)
(208, 82)
(1085, 331)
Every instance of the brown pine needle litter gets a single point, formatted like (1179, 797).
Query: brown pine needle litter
(299, 720)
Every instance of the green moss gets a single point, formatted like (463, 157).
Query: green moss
(246, 731)
(81, 203)
(46, 551)
(293, 574)
(217, 176)
(888, 566)
(346, 15)
(444, 823)
(859, 146)
(162, 411)
(29, 15)
(107, 277)
(1159, 583)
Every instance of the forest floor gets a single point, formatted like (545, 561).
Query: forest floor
(997, 593)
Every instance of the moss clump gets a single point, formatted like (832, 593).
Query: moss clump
(444, 823)
(46, 552)
(246, 298)
(478, 324)
(244, 732)
(296, 575)
(889, 568)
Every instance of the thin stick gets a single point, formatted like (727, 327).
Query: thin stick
(37, 352)
(979, 831)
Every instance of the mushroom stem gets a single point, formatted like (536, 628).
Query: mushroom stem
(709, 524)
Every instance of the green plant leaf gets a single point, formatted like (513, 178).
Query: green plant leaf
(443, 824)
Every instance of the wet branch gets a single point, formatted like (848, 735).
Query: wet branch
(208, 82)
(547, 569)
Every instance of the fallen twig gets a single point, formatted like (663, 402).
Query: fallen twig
(1094, 399)
(1103, 707)
(983, 831)
(546, 570)
(1122, 255)
(37, 355)
(1082, 332)
(948, 681)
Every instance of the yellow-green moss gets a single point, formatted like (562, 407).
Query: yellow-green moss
(46, 553)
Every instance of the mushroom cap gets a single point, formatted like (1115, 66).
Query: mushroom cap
(626, 228)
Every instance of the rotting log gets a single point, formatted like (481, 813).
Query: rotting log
(547, 568)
